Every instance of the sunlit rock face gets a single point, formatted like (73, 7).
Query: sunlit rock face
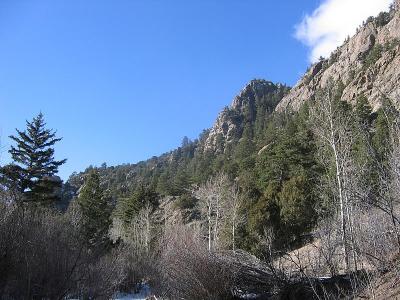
(228, 127)
(367, 64)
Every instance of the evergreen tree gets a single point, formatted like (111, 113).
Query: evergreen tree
(95, 210)
(130, 206)
(33, 170)
(185, 142)
(164, 185)
(181, 183)
(364, 155)
(286, 173)
(363, 112)
(380, 139)
(296, 200)
(244, 152)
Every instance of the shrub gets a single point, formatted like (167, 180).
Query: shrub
(186, 270)
(43, 256)
(382, 19)
(373, 56)
(185, 202)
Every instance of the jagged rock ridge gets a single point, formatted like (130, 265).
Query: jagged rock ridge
(255, 96)
(367, 64)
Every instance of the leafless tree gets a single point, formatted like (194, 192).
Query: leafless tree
(387, 197)
(233, 205)
(206, 204)
(140, 229)
(332, 126)
(211, 197)
(220, 190)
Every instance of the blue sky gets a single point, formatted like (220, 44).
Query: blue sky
(122, 81)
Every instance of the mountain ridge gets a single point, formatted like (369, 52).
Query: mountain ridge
(225, 133)
(366, 64)
(358, 64)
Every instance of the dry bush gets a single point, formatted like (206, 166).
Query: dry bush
(8, 232)
(44, 255)
(376, 239)
(139, 266)
(104, 275)
(373, 243)
(138, 238)
(323, 256)
(327, 257)
(186, 270)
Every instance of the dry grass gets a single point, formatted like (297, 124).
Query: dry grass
(384, 287)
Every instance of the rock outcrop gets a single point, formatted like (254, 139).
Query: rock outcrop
(256, 95)
(367, 64)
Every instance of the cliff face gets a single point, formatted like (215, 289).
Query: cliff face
(257, 98)
(367, 64)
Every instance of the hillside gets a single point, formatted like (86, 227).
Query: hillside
(302, 180)
(366, 64)
(249, 110)
(264, 139)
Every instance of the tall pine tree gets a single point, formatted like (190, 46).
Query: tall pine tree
(96, 213)
(32, 172)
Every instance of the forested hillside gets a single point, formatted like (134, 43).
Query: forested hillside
(245, 121)
(292, 194)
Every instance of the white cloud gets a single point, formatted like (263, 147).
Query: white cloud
(329, 25)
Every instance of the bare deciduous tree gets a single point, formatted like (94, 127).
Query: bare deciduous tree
(211, 197)
(333, 126)
(232, 206)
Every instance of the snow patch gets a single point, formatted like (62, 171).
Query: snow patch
(143, 294)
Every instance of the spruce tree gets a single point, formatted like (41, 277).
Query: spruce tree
(130, 207)
(96, 213)
(32, 172)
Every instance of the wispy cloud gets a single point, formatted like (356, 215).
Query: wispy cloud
(329, 25)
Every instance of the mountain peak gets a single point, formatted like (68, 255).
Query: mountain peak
(256, 88)
(259, 96)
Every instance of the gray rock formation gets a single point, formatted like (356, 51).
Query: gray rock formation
(368, 64)
(230, 123)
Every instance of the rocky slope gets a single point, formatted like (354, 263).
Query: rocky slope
(256, 101)
(367, 64)
(258, 97)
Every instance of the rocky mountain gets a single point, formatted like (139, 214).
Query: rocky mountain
(256, 100)
(249, 109)
(367, 64)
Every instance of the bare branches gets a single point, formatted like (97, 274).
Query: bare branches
(233, 205)
(332, 125)
(211, 197)
(188, 271)
(43, 255)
